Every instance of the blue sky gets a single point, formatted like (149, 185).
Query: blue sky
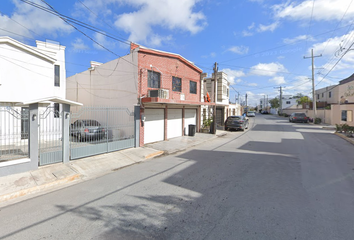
(260, 44)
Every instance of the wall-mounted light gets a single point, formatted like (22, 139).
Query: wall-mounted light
(67, 115)
(34, 117)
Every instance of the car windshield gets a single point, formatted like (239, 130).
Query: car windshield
(234, 118)
(91, 123)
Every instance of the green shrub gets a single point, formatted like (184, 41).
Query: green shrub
(318, 120)
(285, 115)
(338, 128)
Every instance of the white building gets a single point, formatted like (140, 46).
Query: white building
(222, 97)
(32, 79)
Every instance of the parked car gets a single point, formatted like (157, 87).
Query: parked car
(251, 114)
(87, 129)
(236, 123)
(298, 117)
(265, 112)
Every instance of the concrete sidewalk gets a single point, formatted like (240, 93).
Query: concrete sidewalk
(47, 178)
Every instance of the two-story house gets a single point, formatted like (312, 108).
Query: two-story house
(343, 109)
(222, 97)
(165, 86)
(32, 78)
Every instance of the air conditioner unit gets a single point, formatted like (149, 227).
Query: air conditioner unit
(163, 93)
(160, 93)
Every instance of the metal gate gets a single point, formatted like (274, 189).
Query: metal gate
(97, 130)
(50, 135)
(14, 125)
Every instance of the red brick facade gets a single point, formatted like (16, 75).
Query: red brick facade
(168, 65)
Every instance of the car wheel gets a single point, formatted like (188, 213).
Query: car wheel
(226, 129)
(306, 121)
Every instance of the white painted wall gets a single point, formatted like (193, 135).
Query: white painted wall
(190, 117)
(174, 123)
(27, 73)
(154, 125)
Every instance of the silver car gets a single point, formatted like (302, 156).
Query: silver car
(87, 129)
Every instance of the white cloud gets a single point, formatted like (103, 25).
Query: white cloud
(232, 74)
(139, 24)
(211, 55)
(251, 26)
(298, 38)
(79, 44)
(19, 22)
(277, 80)
(239, 49)
(302, 85)
(267, 69)
(252, 84)
(247, 33)
(331, 49)
(270, 27)
(325, 10)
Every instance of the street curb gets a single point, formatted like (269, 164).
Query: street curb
(24, 192)
(345, 138)
(155, 154)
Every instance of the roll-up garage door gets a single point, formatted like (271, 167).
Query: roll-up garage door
(190, 117)
(154, 125)
(174, 123)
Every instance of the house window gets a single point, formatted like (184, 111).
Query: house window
(322, 94)
(153, 79)
(193, 87)
(287, 102)
(318, 96)
(330, 94)
(176, 84)
(56, 75)
(347, 115)
(56, 110)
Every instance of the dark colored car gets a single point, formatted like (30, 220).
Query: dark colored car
(236, 123)
(298, 117)
(87, 129)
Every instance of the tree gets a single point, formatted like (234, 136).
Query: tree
(303, 99)
(299, 95)
(274, 103)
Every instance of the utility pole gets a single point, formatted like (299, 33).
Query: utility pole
(215, 97)
(264, 103)
(313, 85)
(281, 99)
(246, 105)
(267, 104)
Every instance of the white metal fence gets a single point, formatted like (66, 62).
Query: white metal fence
(97, 130)
(14, 126)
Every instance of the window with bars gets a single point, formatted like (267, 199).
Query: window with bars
(176, 84)
(193, 87)
(154, 79)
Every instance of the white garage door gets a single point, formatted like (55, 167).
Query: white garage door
(190, 117)
(154, 125)
(174, 123)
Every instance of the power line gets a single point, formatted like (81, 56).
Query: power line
(68, 19)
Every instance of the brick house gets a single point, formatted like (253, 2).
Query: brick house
(169, 88)
(166, 87)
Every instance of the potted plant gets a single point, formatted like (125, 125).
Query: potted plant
(206, 125)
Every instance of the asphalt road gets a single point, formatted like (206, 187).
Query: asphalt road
(277, 180)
